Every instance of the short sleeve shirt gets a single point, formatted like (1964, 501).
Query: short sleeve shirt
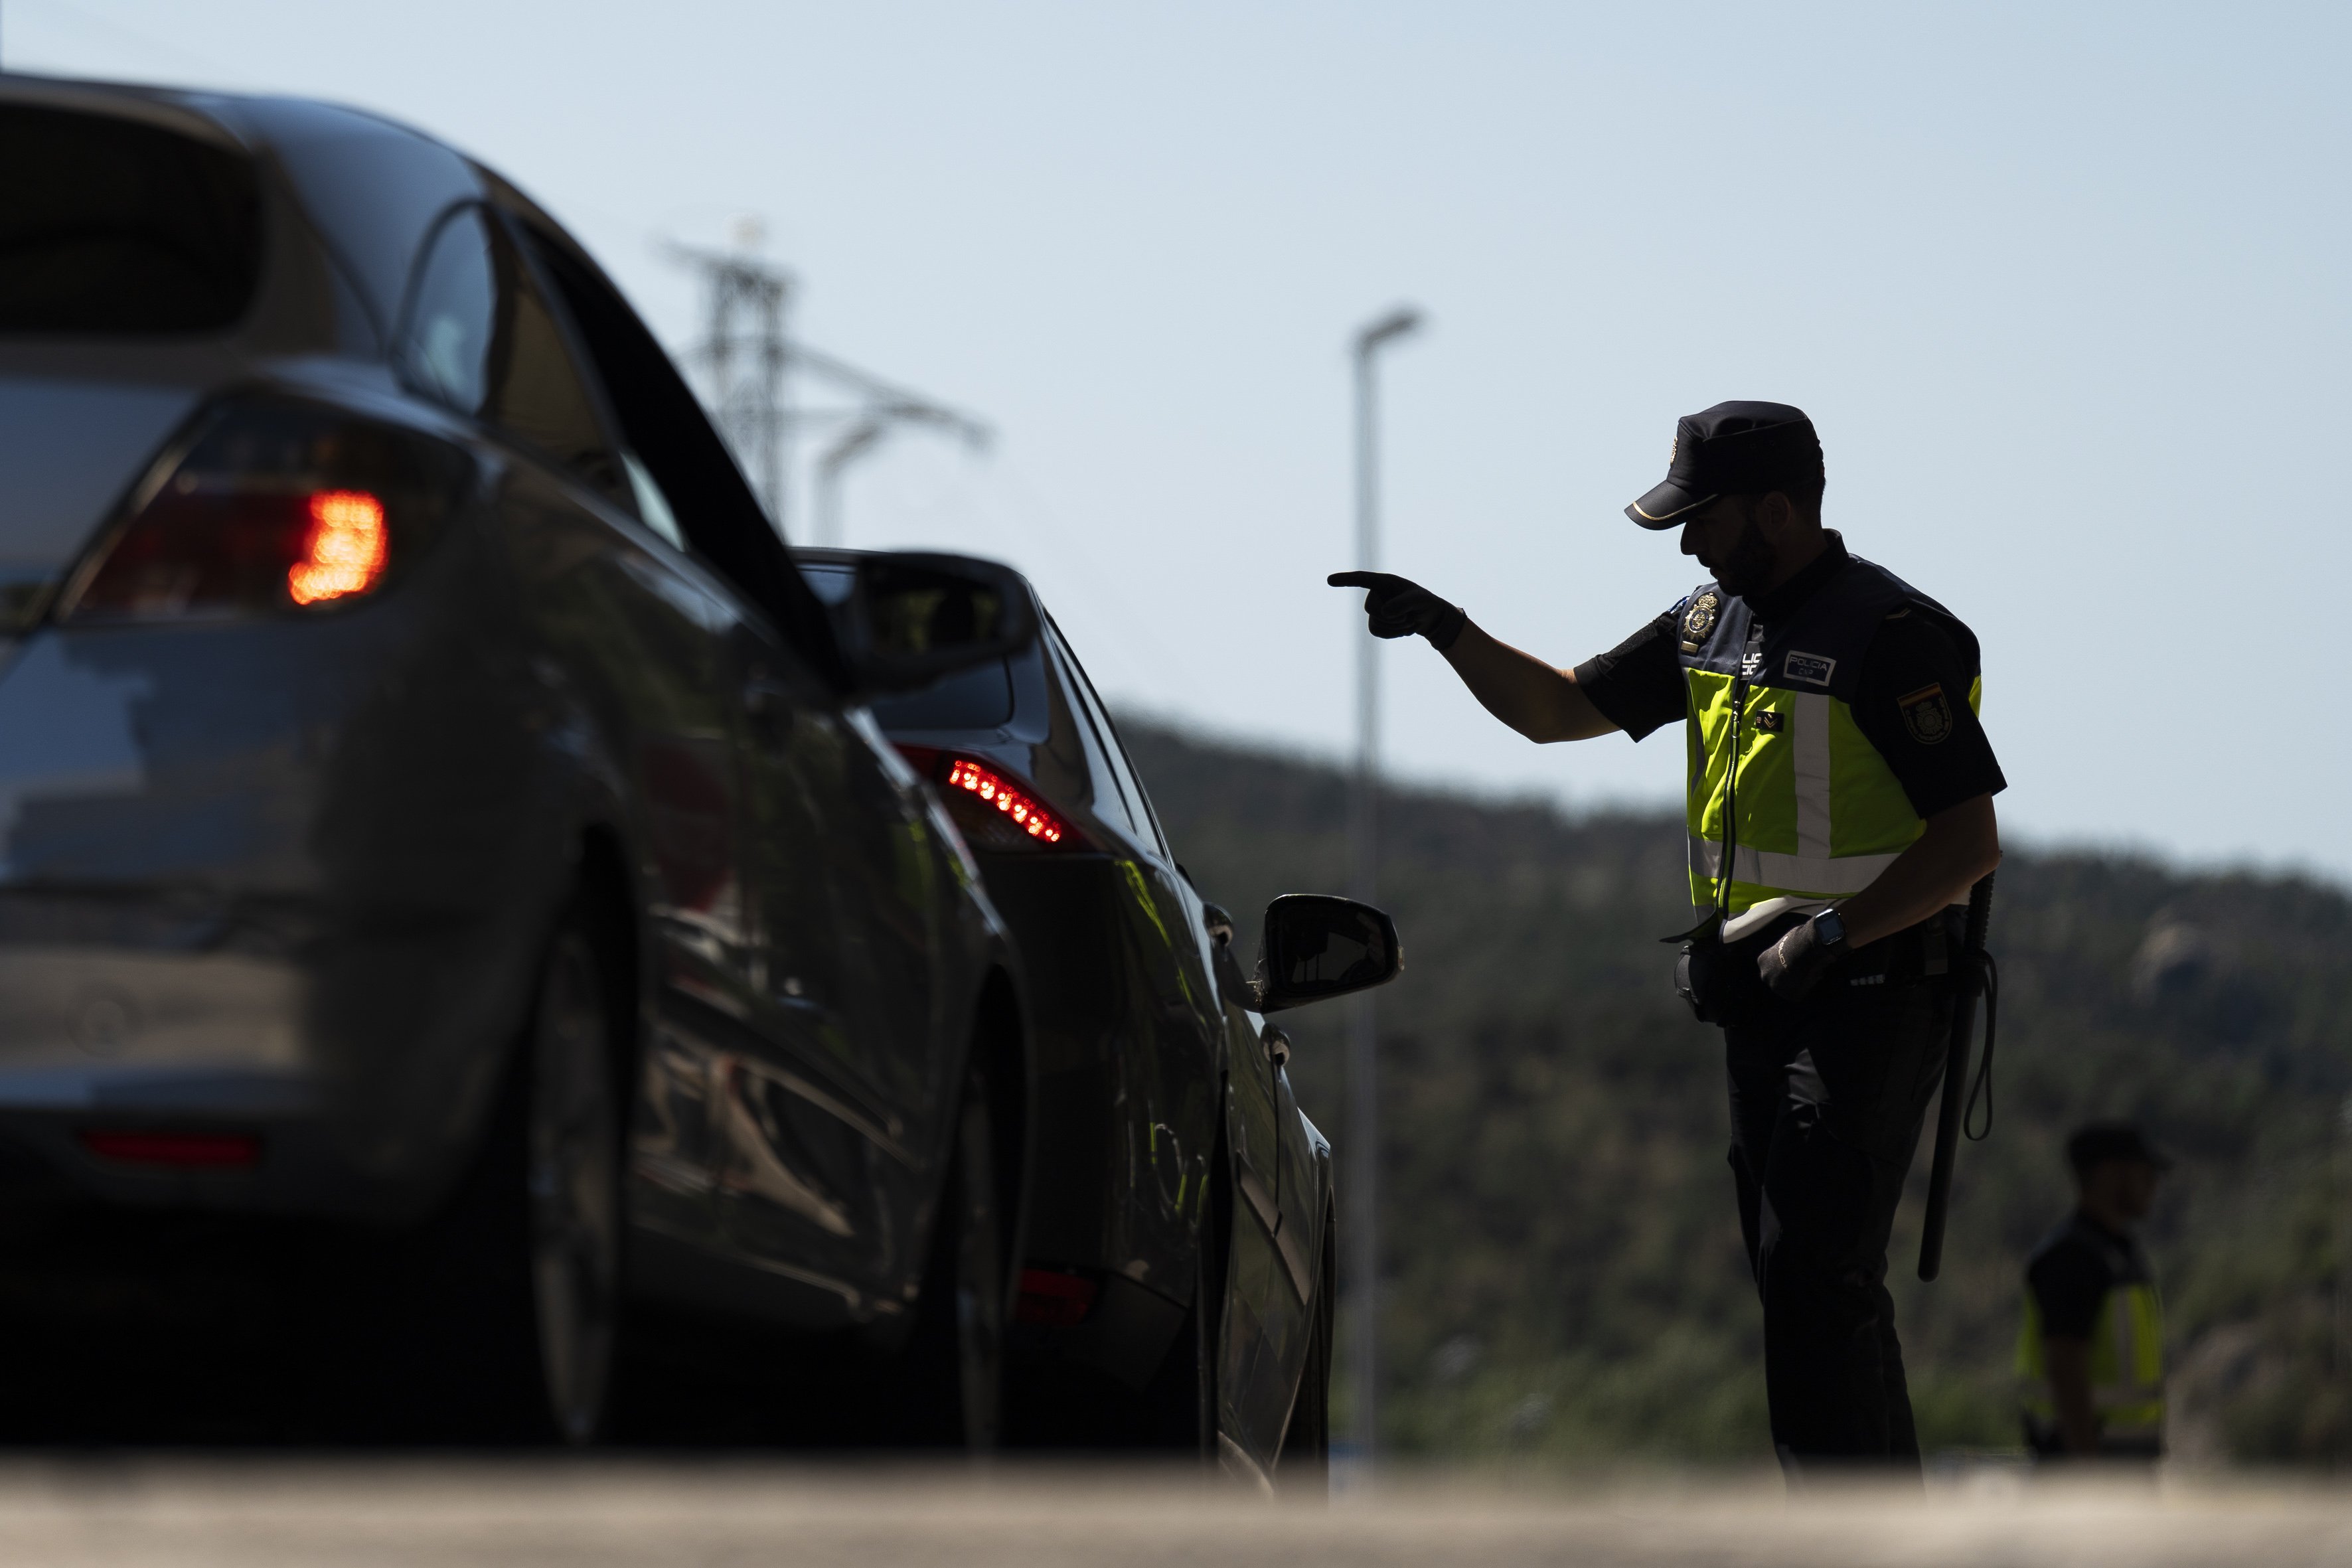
(1639, 687)
(2073, 1271)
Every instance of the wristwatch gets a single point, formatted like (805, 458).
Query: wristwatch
(1829, 932)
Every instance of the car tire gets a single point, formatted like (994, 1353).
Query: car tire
(572, 1144)
(512, 1294)
(1304, 1463)
(956, 1354)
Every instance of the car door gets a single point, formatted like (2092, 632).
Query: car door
(803, 1125)
(632, 632)
(1266, 1289)
(892, 878)
(890, 892)
(1265, 1320)
(1170, 1113)
(813, 1133)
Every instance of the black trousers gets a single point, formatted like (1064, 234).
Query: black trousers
(1828, 1098)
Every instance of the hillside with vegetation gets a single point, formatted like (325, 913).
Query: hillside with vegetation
(1562, 1265)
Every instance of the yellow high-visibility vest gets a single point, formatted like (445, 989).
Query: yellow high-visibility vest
(2126, 1364)
(1778, 767)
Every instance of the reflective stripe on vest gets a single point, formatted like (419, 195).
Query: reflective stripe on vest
(1758, 869)
(2127, 1364)
(1820, 814)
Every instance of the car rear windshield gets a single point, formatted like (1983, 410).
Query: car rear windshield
(979, 698)
(111, 227)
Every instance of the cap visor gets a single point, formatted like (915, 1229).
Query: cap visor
(1666, 506)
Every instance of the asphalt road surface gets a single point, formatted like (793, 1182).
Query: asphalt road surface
(254, 1512)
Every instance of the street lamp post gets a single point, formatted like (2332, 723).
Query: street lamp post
(1360, 1240)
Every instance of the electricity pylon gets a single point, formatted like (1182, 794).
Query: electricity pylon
(749, 362)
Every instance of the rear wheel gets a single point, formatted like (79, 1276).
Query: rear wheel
(957, 1355)
(509, 1301)
(573, 1186)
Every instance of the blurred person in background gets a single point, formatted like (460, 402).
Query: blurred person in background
(1840, 809)
(2090, 1356)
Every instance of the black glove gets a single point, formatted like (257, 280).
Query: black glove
(1794, 965)
(1398, 608)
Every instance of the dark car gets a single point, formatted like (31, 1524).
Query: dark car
(1180, 1170)
(432, 808)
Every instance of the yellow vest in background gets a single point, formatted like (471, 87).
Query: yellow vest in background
(2127, 1365)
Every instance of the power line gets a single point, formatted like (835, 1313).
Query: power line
(750, 360)
(744, 353)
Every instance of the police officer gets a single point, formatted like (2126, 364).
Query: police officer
(2090, 1357)
(1840, 806)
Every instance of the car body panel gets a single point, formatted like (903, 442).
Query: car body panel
(293, 875)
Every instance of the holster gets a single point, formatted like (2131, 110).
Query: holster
(1718, 978)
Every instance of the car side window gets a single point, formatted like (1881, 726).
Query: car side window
(663, 427)
(1128, 779)
(1117, 789)
(444, 347)
(480, 336)
(653, 506)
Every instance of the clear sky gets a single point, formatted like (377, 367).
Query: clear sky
(2065, 288)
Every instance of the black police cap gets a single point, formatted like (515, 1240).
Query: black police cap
(1732, 448)
(2100, 1142)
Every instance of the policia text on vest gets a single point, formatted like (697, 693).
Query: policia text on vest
(1840, 793)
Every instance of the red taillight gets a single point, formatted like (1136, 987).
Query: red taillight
(201, 550)
(182, 1150)
(1053, 1299)
(1027, 813)
(343, 551)
(274, 510)
(995, 809)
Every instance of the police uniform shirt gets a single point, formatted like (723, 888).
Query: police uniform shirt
(2073, 1271)
(1639, 687)
(2071, 1276)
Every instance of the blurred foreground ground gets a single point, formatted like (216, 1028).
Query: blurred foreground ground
(260, 1513)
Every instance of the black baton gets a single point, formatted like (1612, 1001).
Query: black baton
(1970, 976)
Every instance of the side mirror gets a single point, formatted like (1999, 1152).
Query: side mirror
(908, 619)
(1317, 946)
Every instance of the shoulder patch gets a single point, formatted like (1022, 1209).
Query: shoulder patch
(1699, 620)
(1807, 667)
(1927, 715)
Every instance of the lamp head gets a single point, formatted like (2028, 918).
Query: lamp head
(1398, 322)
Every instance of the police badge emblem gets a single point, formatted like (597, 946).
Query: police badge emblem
(1699, 620)
(1927, 715)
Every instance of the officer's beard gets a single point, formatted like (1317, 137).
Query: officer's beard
(1749, 567)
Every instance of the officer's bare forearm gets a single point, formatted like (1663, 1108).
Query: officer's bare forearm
(1538, 700)
(1960, 846)
(2068, 1361)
